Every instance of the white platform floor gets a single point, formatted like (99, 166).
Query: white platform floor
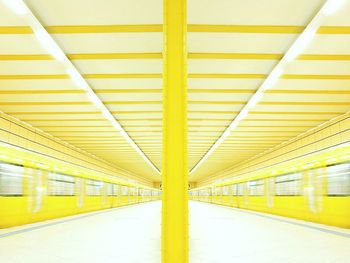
(222, 234)
(132, 235)
(122, 235)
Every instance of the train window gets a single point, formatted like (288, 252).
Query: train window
(240, 189)
(109, 189)
(256, 188)
(125, 190)
(225, 190)
(115, 190)
(60, 185)
(338, 177)
(11, 180)
(234, 189)
(94, 188)
(219, 191)
(289, 184)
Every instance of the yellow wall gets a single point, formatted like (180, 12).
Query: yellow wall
(321, 138)
(18, 133)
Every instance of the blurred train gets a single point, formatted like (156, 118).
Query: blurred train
(29, 194)
(316, 189)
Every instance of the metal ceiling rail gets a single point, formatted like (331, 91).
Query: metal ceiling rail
(292, 53)
(20, 8)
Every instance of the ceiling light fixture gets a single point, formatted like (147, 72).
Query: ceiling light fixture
(20, 7)
(332, 6)
(294, 51)
(46, 40)
(17, 6)
(272, 79)
(300, 44)
(77, 78)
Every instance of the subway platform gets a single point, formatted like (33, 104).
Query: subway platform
(218, 234)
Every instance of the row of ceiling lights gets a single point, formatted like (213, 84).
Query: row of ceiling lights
(20, 8)
(328, 8)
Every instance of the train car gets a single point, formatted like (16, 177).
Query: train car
(31, 191)
(314, 189)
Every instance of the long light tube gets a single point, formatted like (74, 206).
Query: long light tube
(19, 7)
(332, 6)
(329, 7)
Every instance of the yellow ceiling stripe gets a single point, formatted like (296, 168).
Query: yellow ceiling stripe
(53, 112)
(245, 29)
(115, 56)
(234, 56)
(323, 57)
(159, 75)
(78, 103)
(191, 90)
(117, 76)
(41, 91)
(217, 102)
(212, 112)
(275, 126)
(19, 77)
(261, 76)
(27, 57)
(265, 56)
(44, 103)
(297, 112)
(15, 30)
(298, 76)
(319, 91)
(141, 102)
(286, 119)
(80, 126)
(90, 56)
(334, 30)
(276, 91)
(225, 76)
(63, 120)
(306, 103)
(84, 29)
(199, 28)
(101, 119)
(88, 76)
(128, 90)
(155, 55)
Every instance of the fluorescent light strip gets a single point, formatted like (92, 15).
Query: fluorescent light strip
(295, 50)
(19, 7)
(77, 78)
(48, 43)
(332, 6)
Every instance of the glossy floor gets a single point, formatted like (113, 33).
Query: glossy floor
(222, 234)
(217, 235)
(125, 234)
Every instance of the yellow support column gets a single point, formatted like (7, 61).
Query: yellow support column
(175, 164)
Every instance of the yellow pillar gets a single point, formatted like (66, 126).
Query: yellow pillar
(175, 163)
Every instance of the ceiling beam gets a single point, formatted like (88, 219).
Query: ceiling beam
(306, 34)
(55, 50)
